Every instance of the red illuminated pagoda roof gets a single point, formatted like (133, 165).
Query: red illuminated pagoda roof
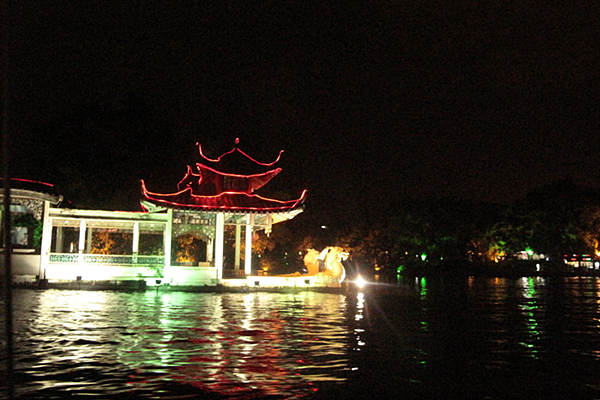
(210, 188)
(209, 181)
(234, 150)
(30, 184)
(225, 201)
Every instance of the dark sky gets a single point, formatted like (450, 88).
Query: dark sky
(371, 103)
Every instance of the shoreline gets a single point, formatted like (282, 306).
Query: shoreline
(509, 269)
(140, 286)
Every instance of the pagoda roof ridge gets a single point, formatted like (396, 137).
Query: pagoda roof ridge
(29, 181)
(236, 149)
(253, 181)
(231, 201)
(201, 166)
(31, 185)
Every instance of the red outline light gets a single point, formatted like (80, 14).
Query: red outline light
(218, 159)
(214, 197)
(254, 180)
(260, 163)
(260, 174)
(213, 159)
(30, 181)
(289, 204)
(188, 173)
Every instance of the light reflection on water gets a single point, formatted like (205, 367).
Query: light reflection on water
(423, 338)
(229, 344)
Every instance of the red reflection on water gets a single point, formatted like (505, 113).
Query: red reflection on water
(248, 349)
(251, 356)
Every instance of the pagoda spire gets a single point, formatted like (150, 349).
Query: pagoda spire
(238, 150)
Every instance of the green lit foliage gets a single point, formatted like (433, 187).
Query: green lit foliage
(505, 237)
(439, 228)
(26, 220)
(552, 220)
(151, 244)
(34, 229)
(409, 234)
(37, 235)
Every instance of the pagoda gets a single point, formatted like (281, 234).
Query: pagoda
(218, 197)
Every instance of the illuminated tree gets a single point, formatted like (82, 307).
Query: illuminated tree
(102, 243)
(189, 249)
(106, 242)
(589, 229)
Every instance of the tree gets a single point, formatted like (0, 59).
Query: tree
(106, 242)
(589, 228)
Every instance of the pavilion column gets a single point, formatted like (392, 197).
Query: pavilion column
(136, 241)
(88, 243)
(238, 242)
(81, 246)
(167, 233)
(248, 249)
(59, 239)
(220, 231)
(46, 241)
(210, 244)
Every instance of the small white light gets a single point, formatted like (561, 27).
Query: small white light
(360, 282)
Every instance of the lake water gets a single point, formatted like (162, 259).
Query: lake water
(495, 338)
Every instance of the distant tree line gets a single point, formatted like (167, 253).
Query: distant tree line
(560, 218)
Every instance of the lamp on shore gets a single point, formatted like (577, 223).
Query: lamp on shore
(360, 282)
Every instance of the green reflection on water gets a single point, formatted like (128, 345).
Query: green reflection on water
(530, 288)
(423, 287)
(270, 342)
(530, 309)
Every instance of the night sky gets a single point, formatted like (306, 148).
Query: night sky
(372, 103)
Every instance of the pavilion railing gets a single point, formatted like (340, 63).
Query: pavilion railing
(106, 259)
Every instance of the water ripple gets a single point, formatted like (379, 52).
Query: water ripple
(475, 338)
